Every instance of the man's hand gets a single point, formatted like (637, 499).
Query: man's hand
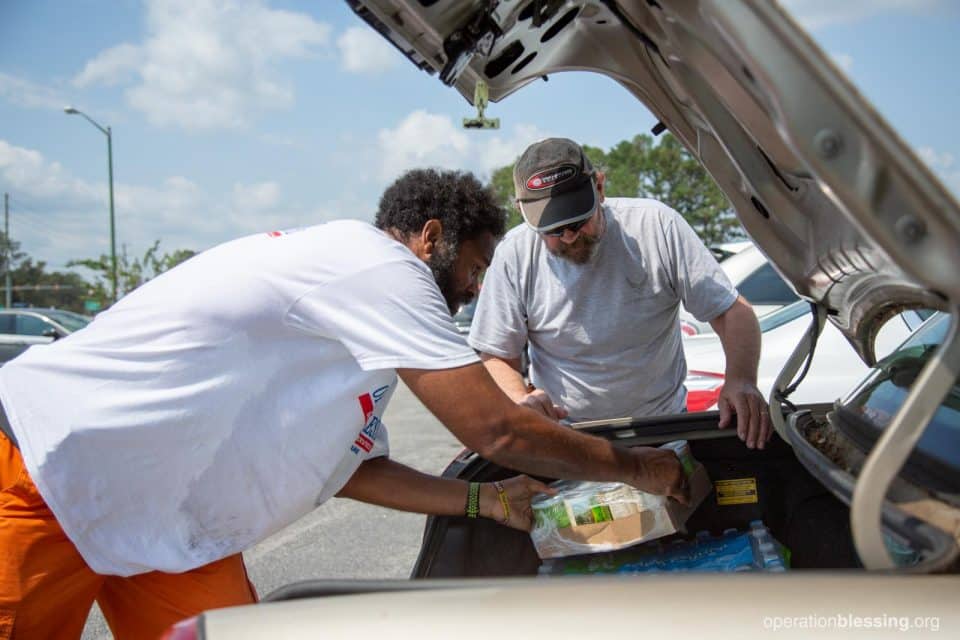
(659, 471)
(539, 401)
(519, 490)
(742, 398)
(740, 336)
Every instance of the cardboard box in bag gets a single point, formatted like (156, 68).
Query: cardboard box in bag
(623, 516)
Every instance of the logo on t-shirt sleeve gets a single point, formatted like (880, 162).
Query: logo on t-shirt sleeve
(284, 232)
(371, 423)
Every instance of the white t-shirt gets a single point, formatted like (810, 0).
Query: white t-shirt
(604, 337)
(228, 397)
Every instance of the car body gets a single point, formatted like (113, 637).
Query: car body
(463, 318)
(848, 216)
(755, 279)
(724, 250)
(21, 328)
(835, 367)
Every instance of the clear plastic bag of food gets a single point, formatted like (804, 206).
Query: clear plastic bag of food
(590, 517)
(586, 517)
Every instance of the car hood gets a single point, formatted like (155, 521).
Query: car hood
(828, 191)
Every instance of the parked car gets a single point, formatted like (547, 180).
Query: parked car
(856, 225)
(726, 249)
(835, 368)
(755, 279)
(21, 328)
(463, 318)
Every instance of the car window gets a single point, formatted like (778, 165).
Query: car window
(71, 321)
(465, 313)
(7, 323)
(781, 317)
(27, 325)
(765, 286)
(874, 403)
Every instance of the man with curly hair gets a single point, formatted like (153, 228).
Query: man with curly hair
(233, 394)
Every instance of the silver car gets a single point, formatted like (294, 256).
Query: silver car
(865, 492)
(24, 327)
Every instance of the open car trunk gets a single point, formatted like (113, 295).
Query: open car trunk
(799, 510)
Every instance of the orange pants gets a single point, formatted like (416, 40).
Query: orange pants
(46, 589)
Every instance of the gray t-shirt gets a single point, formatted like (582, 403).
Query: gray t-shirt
(604, 338)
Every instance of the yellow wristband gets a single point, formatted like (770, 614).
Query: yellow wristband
(504, 501)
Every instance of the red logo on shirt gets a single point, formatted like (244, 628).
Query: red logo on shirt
(366, 404)
(371, 423)
(364, 443)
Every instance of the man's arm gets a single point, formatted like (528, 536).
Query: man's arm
(386, 483)
(740, 336)
(506, 373)
(471, 405)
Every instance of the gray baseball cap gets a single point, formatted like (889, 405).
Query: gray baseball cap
(554, 184)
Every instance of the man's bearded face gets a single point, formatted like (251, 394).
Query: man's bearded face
(443, 264)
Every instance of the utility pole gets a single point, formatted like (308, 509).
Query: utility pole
(6, 238)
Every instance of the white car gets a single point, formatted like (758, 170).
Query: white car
(754, 277)
(835, 368)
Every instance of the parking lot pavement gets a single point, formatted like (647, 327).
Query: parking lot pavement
(347, 539)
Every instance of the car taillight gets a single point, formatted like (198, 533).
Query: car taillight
(688, 329)
(703, 390)
(184, 630)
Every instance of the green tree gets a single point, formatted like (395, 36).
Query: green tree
(131, 272)
(663, 170)
(502, 184)
(676, 178)
(34, 286)
(13, 248)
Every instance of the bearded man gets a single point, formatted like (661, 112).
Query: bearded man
(591, 286)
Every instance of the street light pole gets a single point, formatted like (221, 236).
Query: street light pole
(113, 231)
(113, 234)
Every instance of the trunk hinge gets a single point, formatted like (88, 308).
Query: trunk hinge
(802, 356)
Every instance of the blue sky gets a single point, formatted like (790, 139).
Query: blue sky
(236, 116)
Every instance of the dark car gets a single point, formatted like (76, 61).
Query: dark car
(24, 327)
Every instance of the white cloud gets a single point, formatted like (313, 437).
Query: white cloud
(27, 94)
(944, 165)
(57, 217)
(844, 61)
(815, 14)
(111, 66)
(256, 197)
(26, 171)
(209, 64)
(424, 139)
(365, 51)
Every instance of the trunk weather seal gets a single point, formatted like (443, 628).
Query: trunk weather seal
(942, 548)
(921, 467)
